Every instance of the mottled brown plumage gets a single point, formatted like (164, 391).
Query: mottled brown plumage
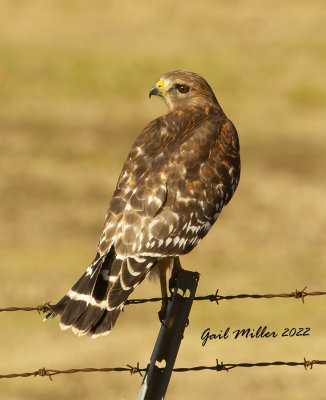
(181, 170)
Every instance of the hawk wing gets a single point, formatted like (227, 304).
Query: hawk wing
(182, 169)
(169, 194)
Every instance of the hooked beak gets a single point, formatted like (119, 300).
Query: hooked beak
(155, 91)
(158, 89)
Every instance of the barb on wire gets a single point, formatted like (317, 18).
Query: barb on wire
(219, 366)
(297, 294)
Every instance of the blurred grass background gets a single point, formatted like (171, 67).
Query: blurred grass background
(74, 80)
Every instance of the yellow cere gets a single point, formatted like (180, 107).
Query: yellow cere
(160, 84)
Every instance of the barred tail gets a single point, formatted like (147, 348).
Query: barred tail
(94, 303)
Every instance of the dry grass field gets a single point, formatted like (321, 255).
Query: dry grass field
(74, 83)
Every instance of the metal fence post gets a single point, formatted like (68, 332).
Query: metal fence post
(167, 345)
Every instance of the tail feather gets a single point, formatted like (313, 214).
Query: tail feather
(94, 303)
(88, 318)
(73, 310)
(105, 324)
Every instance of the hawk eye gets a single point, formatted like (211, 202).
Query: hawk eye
(182, 88)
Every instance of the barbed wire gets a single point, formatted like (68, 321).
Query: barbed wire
(219, 366)
(40, 308)
(297, 294)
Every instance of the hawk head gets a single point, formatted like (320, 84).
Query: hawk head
(181, 89)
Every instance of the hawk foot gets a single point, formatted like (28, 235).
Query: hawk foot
(162, 316)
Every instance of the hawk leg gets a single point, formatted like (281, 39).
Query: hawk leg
(174, 274)
(163, 266)
(162, 312)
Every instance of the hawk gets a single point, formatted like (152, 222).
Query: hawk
(182, 169)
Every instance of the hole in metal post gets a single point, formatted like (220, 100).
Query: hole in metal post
(160, 364)
(184, 293)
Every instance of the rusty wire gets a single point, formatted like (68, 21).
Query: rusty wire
(219, 366)
(297, 294)
(45, 307)
(51, 372)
